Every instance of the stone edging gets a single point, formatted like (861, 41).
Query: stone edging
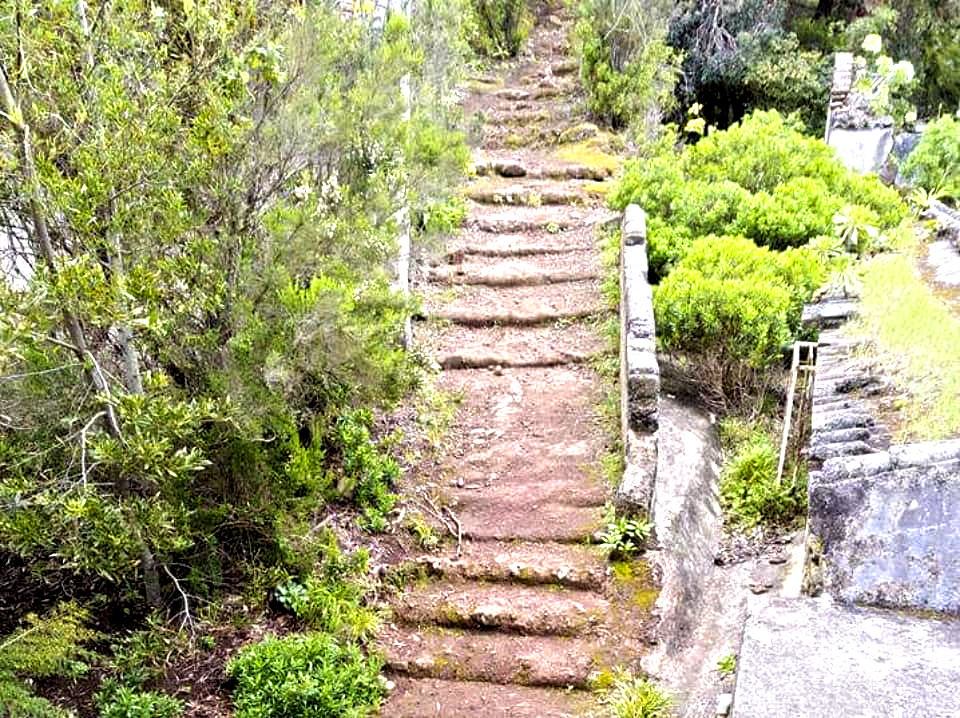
(639, 369)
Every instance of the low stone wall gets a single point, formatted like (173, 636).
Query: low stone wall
(639, 369)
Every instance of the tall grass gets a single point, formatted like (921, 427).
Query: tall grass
(915, 337)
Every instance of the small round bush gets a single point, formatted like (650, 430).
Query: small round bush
(732, 299)
(303, 677)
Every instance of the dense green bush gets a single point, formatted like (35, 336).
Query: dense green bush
(54, 645)
(303, 677)
(761, 177)
(723, 299)
(935, 163)
(119, 701)
(796, 211)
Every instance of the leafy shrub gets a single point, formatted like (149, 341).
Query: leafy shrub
(666, 246)
(749, 490)
(44, 647)
(119, 701)
(445, 217)
(935, 163)
(626, 68)
(497, 28)
(625, 537)
(732, 299)
(305, 676)
(761, 178)
(630, 696)
(795, 212)
(330, 598)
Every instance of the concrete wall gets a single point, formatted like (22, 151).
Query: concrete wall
(639, 369)
(889, 525)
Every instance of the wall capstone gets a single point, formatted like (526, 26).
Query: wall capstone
(639, 369)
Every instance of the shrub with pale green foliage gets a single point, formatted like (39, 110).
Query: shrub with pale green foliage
(761, 177)
(54, 645)
(116, 700)
(626, 67)
(934, 164)
(304, 676)
(731, 299)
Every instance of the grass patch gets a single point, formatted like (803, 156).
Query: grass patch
(916, 338)
(589, 153)
(749, 490)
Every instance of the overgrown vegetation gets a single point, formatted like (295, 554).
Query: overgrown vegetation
(498, 28)
(628, 696)
(304, 676)
(197, 322)
(625, 65)
(934, 164)
(761, 54)
(750, 491)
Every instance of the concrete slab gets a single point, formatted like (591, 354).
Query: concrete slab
(810, 658)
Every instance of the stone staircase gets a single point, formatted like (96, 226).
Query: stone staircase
(522, 620)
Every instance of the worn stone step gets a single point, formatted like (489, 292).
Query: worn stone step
(537, 166)
(510, 273)
(571, 566)
(435, 698)
(479, 305)
(492, 657)
(503, 607)
(460, 347)
(531, 219)
(522, 316)
(512, 245)
(530, 194)
(495, 521)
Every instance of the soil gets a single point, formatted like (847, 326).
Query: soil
(518, 612)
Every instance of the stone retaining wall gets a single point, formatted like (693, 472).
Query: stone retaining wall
(639, 369)
(884, 520)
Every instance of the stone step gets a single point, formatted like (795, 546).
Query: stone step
(526, 610)
(460, 347)
(507, 164)
(513, 245)
(568, 565)
(519, 317)
(496, 521)
(529, 194)
(511, 273)
(492, 657)
(482, 305)
(532, 219)
(434, 698)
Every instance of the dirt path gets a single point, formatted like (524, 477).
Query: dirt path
(529, 614)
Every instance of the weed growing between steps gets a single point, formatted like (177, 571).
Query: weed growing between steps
(625, 695)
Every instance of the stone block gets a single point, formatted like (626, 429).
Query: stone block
(890, 534)
(810, 658)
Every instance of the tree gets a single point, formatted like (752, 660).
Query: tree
(209, 191)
